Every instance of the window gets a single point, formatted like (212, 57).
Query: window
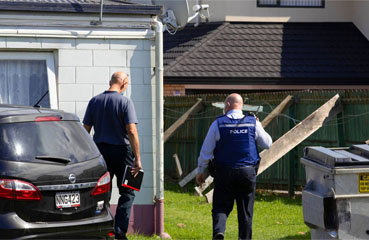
(26, 140)
(291, 3)
(25, 77)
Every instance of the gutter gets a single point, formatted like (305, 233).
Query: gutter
(44, 6)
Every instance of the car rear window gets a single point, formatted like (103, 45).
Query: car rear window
(57, 139)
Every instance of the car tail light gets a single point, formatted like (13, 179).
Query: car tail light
(103, 185)
(19, 190)
(111, 234)
(47, 119)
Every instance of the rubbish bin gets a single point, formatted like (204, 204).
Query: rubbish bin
(335, 200)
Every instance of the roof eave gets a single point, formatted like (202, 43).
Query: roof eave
(265, 80)
(80, 8)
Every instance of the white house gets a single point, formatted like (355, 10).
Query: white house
(292, 11)
(65, 48)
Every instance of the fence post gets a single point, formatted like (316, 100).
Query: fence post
(291, 154)
(200, 130)
(340, 130)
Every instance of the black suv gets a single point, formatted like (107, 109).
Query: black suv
(53, 180)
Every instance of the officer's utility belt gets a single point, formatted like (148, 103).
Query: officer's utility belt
(228, 167)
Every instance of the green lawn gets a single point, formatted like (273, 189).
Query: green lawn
(189, 217)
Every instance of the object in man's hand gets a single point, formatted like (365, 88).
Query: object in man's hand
(211, 167)
(131, 181)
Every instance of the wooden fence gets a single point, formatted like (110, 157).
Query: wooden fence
(349, 127)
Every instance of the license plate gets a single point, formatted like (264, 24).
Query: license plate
(67, 199)
(363, 183)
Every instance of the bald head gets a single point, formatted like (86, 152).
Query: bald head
(118, 82)
(119, 78)
(233, 101)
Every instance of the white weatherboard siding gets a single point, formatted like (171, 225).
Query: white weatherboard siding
(83, 67)
(361, 16)
(247, 10)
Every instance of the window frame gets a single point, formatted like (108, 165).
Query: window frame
(278, 5)
(50, 68)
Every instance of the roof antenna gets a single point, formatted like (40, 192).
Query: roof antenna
(99, 22)
(37, 105)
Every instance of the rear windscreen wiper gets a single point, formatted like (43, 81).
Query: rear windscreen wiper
(54, 159)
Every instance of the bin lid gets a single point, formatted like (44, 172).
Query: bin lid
(332, 157)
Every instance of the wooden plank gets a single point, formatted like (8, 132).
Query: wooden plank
(276, 111)
(178, 166)
(173, 128)
(205, 185)
(299, 133)
(209, 196)
(188, 178)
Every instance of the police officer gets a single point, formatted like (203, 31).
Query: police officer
(233, 139)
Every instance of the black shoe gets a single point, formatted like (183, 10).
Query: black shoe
(218, 236)
(121, 236)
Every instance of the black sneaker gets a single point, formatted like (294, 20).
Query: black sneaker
(218, 236)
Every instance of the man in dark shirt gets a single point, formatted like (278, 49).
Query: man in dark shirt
(114, 119)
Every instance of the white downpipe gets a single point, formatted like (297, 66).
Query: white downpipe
(159, 173)
(159, 73)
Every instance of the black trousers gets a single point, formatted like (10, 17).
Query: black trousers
(234, 184)
(116, 158)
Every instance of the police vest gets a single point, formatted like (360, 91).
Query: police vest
(236, 146)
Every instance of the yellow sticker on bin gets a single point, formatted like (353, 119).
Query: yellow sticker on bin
(363, 183)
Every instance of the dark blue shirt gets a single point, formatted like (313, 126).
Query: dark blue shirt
(108, 113)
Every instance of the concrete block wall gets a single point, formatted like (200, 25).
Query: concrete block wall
(84, 70)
